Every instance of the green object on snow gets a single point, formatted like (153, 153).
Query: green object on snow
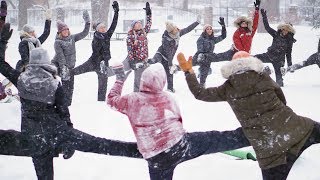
(241, 154)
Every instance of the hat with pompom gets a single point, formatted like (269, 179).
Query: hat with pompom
(61, 26)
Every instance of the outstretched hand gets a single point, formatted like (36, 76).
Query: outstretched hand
(183, 63)
(120, 74)
(115, 6)
(257, 4)
(6, 33)
(263, 13)
(147, 8)
(221, 21)
(86, 16)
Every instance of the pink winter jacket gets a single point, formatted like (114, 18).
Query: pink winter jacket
(154, 115)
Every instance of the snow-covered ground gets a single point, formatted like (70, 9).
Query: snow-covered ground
(301, 89)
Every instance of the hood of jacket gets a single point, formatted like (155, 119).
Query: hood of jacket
(153, 79)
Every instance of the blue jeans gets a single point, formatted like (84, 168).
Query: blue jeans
(192, 145)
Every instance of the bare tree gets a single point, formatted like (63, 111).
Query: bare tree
(100, 10)
(273, 12)
(23, 7)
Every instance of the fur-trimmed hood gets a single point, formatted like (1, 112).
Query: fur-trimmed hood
(243, 18)
(241, 65)
(287, 26)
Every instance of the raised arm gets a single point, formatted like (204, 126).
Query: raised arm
(114, 23)
(255, 22)
(223, 31)
(86, 29)
(3, 13)
(189, 28)
(271, 31)
(47, 26)
(115, 100)
(5, 68)
(149, 21)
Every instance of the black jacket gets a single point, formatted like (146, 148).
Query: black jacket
(101, 43)
(24, 48)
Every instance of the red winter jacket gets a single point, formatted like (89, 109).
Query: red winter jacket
(139, 51)
(153, 113)
(242, 38)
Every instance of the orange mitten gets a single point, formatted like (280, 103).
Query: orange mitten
(183, 63)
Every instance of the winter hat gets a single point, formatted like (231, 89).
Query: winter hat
(170, 26)
(61, 26)
(241, 19)
(98, 25)
(287, 26)
(134, 22)
(27, 28)
(240, 55)
(39, 56)
(206, 26)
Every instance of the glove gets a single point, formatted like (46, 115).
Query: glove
(48, 14)
(147, 8)
(257, 4)
(86, 16)
(119, 72)
(139, 65)
(67, 151)
(3, 9)
(65, 73)
(115, 6)
(266, 70)
(221, 21)
(199, 18)
(183, 63)
(263, 13)
(6, 33)
(103, 67)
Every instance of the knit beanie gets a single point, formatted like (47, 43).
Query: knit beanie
(170, 26)
(97, 26)
(206, 26)
(39, 56)
(61, 26)
(240, 55)
(27, 28)
(134, 22)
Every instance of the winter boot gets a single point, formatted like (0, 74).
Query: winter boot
(171, 90)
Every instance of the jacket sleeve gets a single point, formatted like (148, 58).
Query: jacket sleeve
(61, 105)
(288, 54)
(46, 31)
(188, 29)
(24, 52)
(222, 36)
(130, 46)
(200, 45)
(213, 94)
(113, 24)
(115, 100)
(5, 69)
(255, 22)
(271, 31)
(148, 24)
(237, 41)
(319, 46)
(60, 57)
(82, 34)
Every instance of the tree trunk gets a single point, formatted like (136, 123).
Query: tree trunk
(160, 2)
(185, 5)
(100, 10)
(23, 7)
(273, 13)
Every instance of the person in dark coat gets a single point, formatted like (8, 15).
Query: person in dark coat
(65, 57)
(280, 48)
(277, 134)
(3, 13)
(205, 50)
(99, 60)
(161, 138)
(313, 59)
(168, 48)
(45, 118)
(30, 41)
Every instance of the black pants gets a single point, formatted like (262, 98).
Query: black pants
(277, 63)
(75, 139)
(14, 143)
(281, 172)
(158, 58)
(192, 145)
(213, 57)
(92, 66)
(68, 87)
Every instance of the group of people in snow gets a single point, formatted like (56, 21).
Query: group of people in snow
(275, 132)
